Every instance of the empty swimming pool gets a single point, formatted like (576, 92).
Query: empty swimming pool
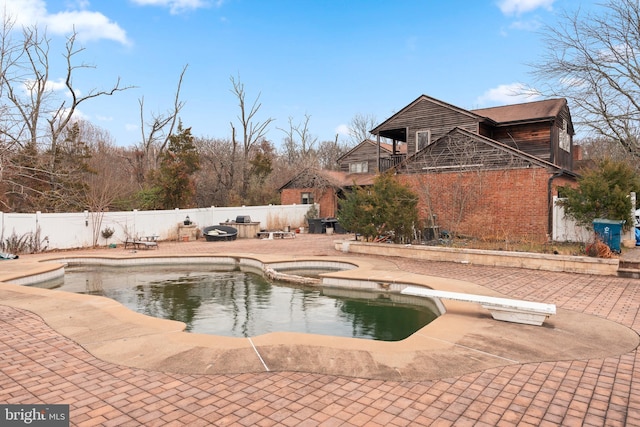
(242, 303)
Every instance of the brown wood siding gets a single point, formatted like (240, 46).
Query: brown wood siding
(368, 152)
(426, 114)
(485, 129)
(562, 158)
(534, 138)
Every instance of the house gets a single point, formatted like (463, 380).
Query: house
(490, 173)
(479, 187)
(324, 187)
(364, 157)
(541, 128)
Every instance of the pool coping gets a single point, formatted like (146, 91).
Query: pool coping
(465, 339)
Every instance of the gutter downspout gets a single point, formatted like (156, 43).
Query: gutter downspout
(378, 139)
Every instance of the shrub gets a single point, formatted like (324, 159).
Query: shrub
(387, 207)
(602, 192)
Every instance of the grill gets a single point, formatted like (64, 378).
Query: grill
(243, 219)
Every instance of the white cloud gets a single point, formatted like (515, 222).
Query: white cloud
(527, 25)
(177, 6)
(343, 130)
(89, 25)
(518, 7)
(79, 4)
(60, 84)
(129, 127)
(24, 12)
(30, 86)
(508, 94)
(78, 115)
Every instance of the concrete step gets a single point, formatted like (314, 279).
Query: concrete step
(632, 264)
(629, 273)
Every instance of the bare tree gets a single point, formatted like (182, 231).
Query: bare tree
(299, 144)
(214, 181)
(27, 87)
(155, 133)
(36, 112)
(106, 185)
(215, 185)
(360, 127)
(253, 131)
(329, 152)
(592, 60)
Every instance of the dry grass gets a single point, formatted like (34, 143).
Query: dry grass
(557, 248)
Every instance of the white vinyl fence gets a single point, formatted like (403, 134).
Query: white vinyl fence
(565, 229)
(78, 230)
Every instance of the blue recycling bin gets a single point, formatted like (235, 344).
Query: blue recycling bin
(610, 231)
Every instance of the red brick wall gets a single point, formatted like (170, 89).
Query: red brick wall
(327, 200)
(290, 196)
(511, 204)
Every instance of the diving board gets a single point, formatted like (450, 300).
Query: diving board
(505, 309)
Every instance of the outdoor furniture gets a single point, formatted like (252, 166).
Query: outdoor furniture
(247, 229)
(218, 233)
(144, 242)
(4, 255)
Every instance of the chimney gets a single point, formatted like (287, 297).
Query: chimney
(577, 152)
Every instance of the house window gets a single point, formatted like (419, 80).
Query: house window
(423, 138)
(359, 167)
(564, 140)
(307, 199)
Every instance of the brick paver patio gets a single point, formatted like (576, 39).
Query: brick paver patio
(38, 365)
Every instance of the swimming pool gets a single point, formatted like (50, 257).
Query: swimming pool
(242, 303)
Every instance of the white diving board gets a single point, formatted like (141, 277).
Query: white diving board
(505, 309)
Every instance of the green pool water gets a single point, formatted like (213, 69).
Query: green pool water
(244, 304)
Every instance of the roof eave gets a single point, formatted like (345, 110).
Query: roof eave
(526, 121)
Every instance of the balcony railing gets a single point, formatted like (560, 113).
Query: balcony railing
(387, 163)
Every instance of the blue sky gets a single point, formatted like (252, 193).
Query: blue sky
(327, 59)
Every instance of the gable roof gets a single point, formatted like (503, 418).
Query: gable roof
(528, 158)
(402, 149)
(523, 112)
(528, 111)
(423, 98)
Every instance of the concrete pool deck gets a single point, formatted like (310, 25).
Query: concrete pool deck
(118, 368)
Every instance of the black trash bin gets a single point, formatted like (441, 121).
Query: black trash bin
(315, 225)
(338, 228)
(329, 223)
